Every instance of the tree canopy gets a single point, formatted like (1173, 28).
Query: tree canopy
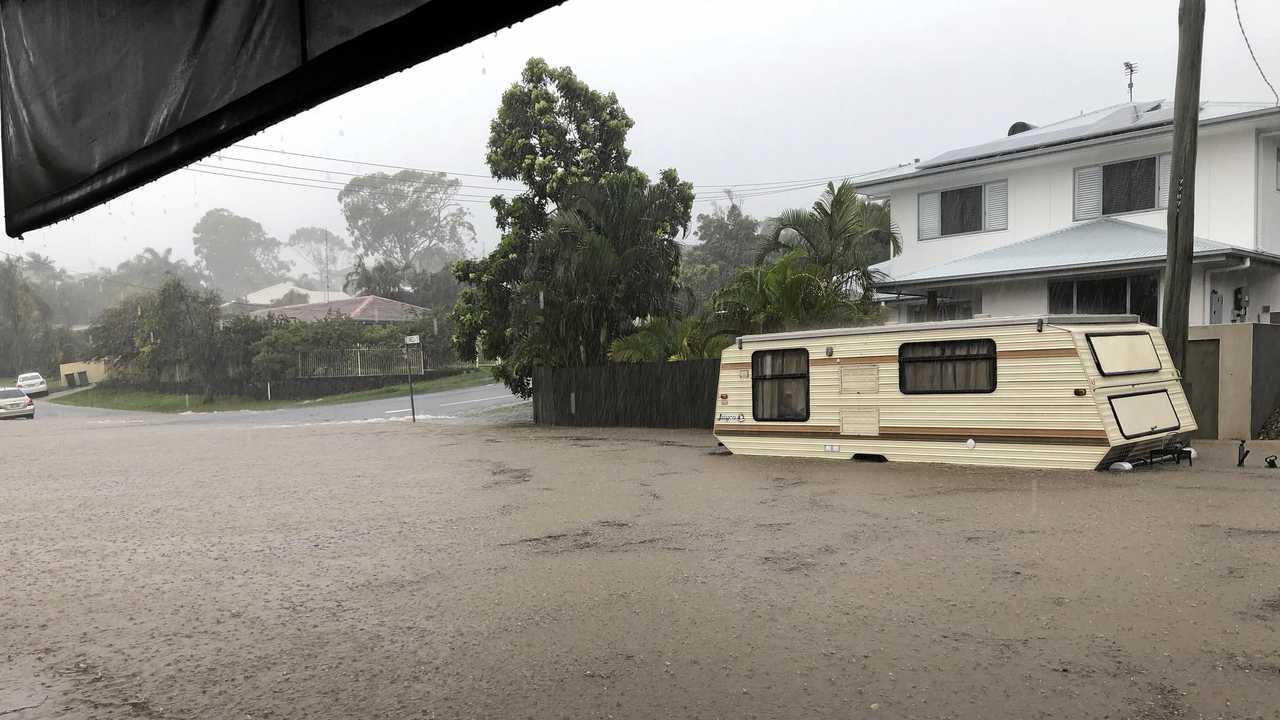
(729, 240)
(236, 252)
(411, 218)
(326, 252)
(587, 248)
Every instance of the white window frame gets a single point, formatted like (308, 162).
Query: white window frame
(985, 229)
(1161, 203)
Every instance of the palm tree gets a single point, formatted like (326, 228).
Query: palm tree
(659, 339)
(786, 295)
(842, 236)
(610, 256)
(384, 279)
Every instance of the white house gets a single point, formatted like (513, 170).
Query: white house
(1070, 217)
(274, 293)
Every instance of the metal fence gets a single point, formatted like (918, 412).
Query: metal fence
(666, 395)
(360, 362)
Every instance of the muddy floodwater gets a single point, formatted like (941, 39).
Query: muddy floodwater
(480, 570)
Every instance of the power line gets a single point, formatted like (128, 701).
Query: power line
(1249, 45)
(337, 184)
(368, 163)
(222, 158)
(312, 183)
(783, 184)
(360, 162)
(327, 188)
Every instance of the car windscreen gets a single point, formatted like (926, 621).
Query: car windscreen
(11, 394)
(29, 376)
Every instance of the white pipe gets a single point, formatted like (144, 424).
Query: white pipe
(1208, 283)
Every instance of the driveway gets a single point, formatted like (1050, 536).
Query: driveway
(447, 404)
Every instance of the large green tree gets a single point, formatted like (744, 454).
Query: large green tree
(729, 240)
(411, 218)
(842, 236)
(588, 246)
(237, 253)
(24, 321)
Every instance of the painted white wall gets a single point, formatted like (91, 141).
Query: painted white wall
(1016, 297)
(1041, 200)
(1268, 194)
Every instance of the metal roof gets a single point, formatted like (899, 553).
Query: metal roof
(946, 325)
(1093, 244)
(1113, 122)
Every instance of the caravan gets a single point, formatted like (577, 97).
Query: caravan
(1080, 391)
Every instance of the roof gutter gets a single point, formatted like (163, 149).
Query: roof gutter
(1078, 268)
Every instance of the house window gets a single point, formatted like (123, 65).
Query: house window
(1134, 295)
(957, 366)
(1122, 187)
(961, 210)
(1129, 186)
(976, 208)
(780, 385)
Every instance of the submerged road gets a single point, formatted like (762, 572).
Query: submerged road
(446, 404)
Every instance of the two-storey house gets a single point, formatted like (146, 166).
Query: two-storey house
(1070, 218)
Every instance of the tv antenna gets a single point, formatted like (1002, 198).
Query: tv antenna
(1130, 68)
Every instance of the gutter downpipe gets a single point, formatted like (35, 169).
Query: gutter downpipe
(1208, 284)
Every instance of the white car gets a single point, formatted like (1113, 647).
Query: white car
(15, 403)
(32, 384)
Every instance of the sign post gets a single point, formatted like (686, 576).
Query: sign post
(408, 366)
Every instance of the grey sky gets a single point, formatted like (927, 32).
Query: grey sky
(725, 91)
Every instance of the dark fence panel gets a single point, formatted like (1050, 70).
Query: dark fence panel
(664, 395)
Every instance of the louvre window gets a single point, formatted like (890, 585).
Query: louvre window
(976, 208)
(1121, 187)
(960, 366)
(780, 385)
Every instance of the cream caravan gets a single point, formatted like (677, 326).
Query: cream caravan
(1052, 392)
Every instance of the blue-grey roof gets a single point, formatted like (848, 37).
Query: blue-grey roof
(1114, 120)
(1097, 243)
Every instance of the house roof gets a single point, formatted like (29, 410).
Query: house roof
(369, 308)
(1110, 122)
(268, 295)
(1100, 243)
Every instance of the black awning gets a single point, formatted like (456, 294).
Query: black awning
(101, 97)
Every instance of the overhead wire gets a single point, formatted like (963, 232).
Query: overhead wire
(708, 186)
(1249, 45)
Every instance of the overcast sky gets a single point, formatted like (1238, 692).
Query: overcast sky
(725, 91)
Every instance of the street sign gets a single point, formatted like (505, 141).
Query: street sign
(412, 340)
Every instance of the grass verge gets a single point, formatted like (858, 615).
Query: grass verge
(136, 400)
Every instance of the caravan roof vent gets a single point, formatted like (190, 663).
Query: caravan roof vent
(1020, 127)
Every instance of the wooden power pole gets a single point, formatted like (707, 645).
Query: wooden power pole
(1182, 181)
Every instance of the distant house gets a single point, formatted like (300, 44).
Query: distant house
(369, 309)
(273, 294)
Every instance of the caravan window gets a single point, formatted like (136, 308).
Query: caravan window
(957, 366)
(780, 385)
(1124, 353)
